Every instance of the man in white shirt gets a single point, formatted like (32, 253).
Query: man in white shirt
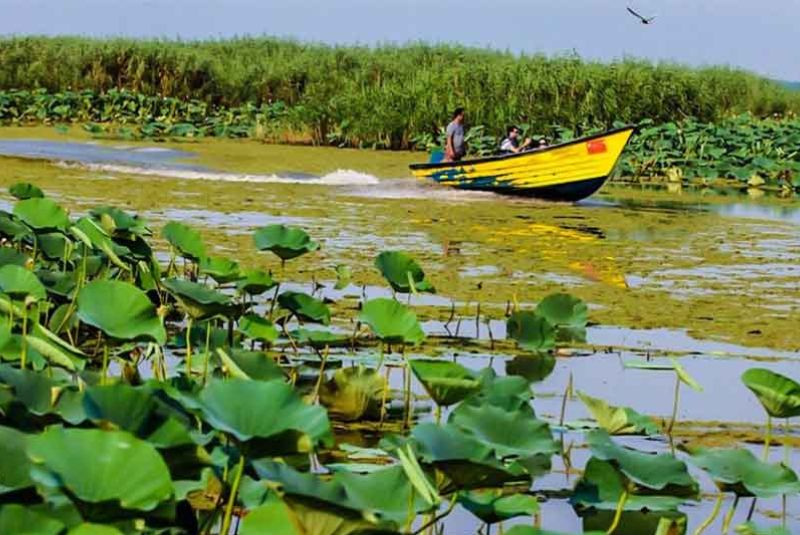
(510, 145)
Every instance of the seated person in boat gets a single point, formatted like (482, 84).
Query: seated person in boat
(511, 144)
(455, 148)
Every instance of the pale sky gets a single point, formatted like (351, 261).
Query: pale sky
(761, 36)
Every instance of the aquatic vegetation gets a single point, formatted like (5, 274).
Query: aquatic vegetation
(107, 426)
(778, 394)
(285, 242)
(402, 272)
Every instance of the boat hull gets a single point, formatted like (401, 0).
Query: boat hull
(569, 171)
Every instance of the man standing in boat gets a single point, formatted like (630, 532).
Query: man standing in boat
(455, 149)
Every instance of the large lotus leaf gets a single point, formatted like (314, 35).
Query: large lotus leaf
(121, 310)
(384, 494)
(199, 301)
(563, 310)
(258, 409)
(9, 255)
(255, 365)
(320, 339)
(739, 470)
(391, 321)
(258, 328)
(135, 409)
(354, 393)
(100, 466)
(42, 214)
(58, 283)
(20, 520)
(510, 393)
(12, 228)
(662, 472)
(778, 394)
(54, 349)
(55, 245)
(508, 433)
(117, 221)
(445, 382)
(255, 282)
(402, 272)
(618, 420)
(20, 283)
(42, 395)
(94, 529)
(220, 269)
(531, 331)
(602, 485)
(25, 190)
(186, 241)
(285, 242)
(14, 466)
(644, 521)
(305, 307)
(493, 506)
(99, 239)
(750, 528)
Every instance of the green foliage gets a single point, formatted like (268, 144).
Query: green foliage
(739, 471)
(618, 420)
(121, 310)
(285, 242)
(445, 382)
(391, 321)
(778, 394)
(402, 272)
(531, 331)
(186, 240)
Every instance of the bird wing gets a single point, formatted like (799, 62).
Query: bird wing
(635, 14)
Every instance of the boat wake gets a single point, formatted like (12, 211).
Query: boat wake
(340, 177)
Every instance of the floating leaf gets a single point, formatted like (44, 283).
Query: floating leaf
(563, 310)
(285, 242)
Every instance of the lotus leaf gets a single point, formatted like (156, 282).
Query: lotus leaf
(135, 409)
(186, 241)
(508, 433)
(9, 255)
(255, 282)
(255, 365)
(305, 307)
(392, 321)
(222, 270)
(115, 221)
(662, 472)
(258, 328)
(531, 331)
(673, 365)
(740, 471)
(750, 528)
(100, 466)
(510, 393)
(493, 506)
(273, 408)
(120, 310)
(42, 214)
(285, 242)
(199, 301)
(20, 283)
(20, 520)
(354, 393)
(618, 420)
(25, 190)
(445, 382)
(534, 367)
(14, 466)
(55, 245)
(12, 228)
(343, 277)
(563, 310)
(402, 273)
(94, 529)
(778, 394)
(99, 239)
(320, 339)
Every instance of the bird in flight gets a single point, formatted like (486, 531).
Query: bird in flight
(645, 20)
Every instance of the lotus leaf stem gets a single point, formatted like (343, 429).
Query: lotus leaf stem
(189, 346)
(105, 365)
(786, 441)
(437, 518)
(208, 353)
(713, 516)
(237, 478)
(23, 360)
(618, 513)
(726, 521)
(767, 438)
(321, 375)
(752, 508)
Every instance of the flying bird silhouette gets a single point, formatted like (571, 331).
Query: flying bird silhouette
(645, 20)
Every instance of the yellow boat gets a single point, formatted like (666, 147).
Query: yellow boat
(565, 172)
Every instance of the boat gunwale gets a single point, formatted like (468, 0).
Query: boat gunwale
(501, 157)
